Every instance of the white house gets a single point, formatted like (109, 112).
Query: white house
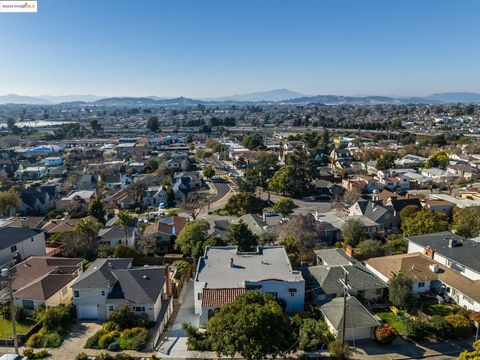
(109, 284)
(17, 244)
(223, 273)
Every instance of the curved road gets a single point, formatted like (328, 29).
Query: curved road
(222, 189)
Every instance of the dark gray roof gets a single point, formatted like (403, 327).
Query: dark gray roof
(327, 279)
(375, 212)
(140, 286)
(333, 257)
(10, 236)
(465, 252)
(99, 273)
(399, 204)
(254, 223)
(115, 232)
(357, 315)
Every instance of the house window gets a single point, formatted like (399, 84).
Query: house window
(421, 284)
(110, 307)
(31, 239)
(139, 308)
(103, 293)
(13, 248)
(199, 296)
(76, 293)
(468, 299)
(378, 292)
(292, 291)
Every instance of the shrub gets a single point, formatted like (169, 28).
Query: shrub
(440, 327)
(34, 341)
(133, 339)
(313, 334)
(461, 325)
(338, 350)
(92, 341)
(105, 340)
(81, 356)
(125, 318)
(460, 310)
(55, 318)
(385, 334)
(104, 356)
(196, 340)
(31, 354)
(414, 328)
(111, 326)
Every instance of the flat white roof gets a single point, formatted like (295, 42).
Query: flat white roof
(268, 263)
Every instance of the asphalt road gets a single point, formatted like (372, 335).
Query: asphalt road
(222, 189)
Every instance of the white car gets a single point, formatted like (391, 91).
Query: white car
(270, 213)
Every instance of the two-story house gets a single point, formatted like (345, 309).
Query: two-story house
(109, 284)
(223, 273)
(17, 244)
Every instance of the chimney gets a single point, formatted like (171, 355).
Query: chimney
(451, 243)
(168, 280)
(231, 262)
(264, 217)
(23, 221)
(429, 252)
(350, 251)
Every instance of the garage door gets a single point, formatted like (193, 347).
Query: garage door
(359, 333)
(87, 311)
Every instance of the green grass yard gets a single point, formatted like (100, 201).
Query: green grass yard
(394, 320)
(6, 328)
(437, 309)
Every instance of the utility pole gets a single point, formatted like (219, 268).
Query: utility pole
(6, 276)
(346, 287)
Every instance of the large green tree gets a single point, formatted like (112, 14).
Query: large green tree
(424, 221)
(353, 231)
(438, 159)
(467, 221)
(284, 206)
(370, 248)
(153, 124)
(96, 209)
(254, 142)
(254, 326)
(399, 290)
(240, 235)
(193, 239)
(9, 200)
(244, 203)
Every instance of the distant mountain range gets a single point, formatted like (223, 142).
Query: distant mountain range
(271, 95)
(280, 96)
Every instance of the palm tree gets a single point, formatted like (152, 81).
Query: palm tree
(123, 219)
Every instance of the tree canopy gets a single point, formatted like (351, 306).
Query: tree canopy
(254, 325)
(153, 124)
(438, 159)
(9, 200)
(284, 206)
(194, 238)
(467, 221)
(399, 290)
(240, 235)
(244, 203)
(424, 221)
(353, 231)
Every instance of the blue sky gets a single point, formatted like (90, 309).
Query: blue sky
(202, 48)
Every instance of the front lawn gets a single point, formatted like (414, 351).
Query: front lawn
(6, 327)
(392, 319)
(437, 309)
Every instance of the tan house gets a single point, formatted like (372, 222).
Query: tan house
(44, 280)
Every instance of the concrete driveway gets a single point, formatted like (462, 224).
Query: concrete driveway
(174, 341)
(402, 349)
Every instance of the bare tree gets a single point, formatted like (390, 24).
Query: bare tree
(195, 202)
(146, 244)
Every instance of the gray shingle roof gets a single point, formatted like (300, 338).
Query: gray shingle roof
(10, 236)
(99, 273)
(328, 278)
(357, 315)
(466, 251)
(140, 286)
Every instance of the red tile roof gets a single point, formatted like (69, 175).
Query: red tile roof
(220, 297)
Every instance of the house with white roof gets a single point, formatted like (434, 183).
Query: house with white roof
(223, 273)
